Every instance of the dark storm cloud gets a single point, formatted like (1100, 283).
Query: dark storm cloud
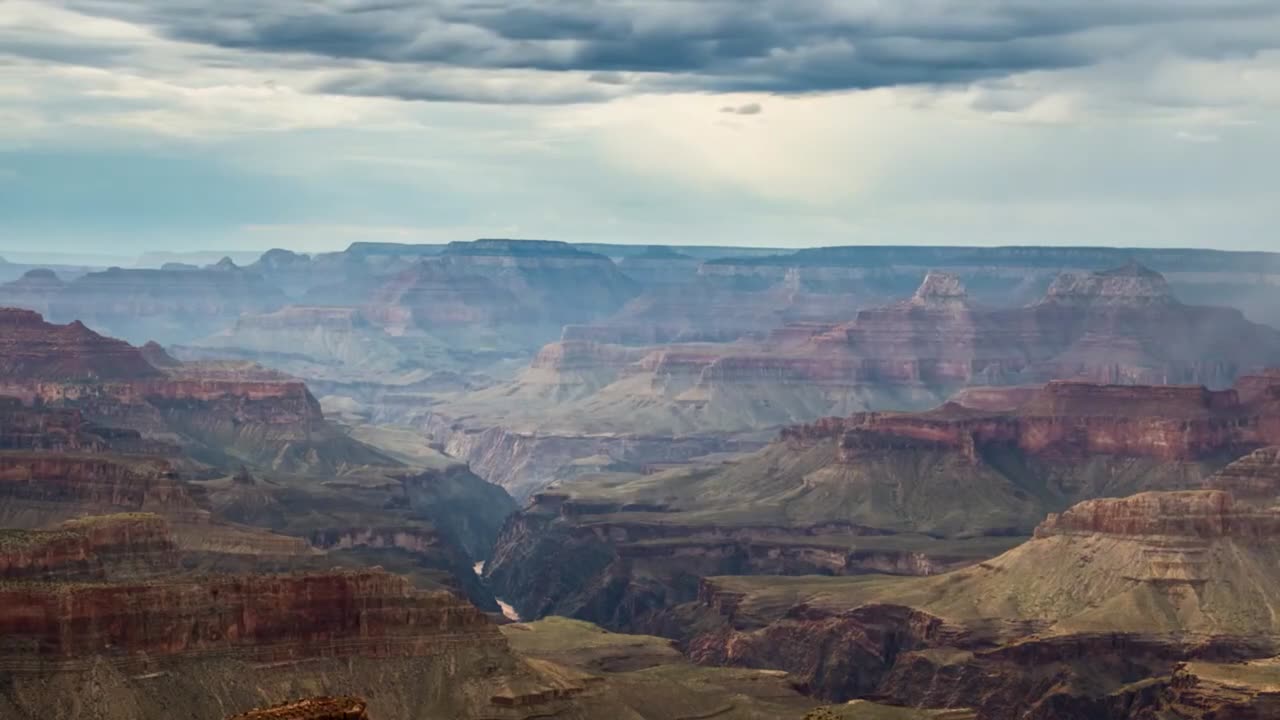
(428, 88)
(781, 46)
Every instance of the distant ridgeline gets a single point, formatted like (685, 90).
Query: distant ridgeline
(1086, 258)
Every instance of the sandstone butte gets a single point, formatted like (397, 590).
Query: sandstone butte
(1158, 605)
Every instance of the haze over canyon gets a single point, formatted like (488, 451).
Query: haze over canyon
(525, 478)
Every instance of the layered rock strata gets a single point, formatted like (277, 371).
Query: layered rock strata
(224, 413)
(268, 619)
(1119, 327)
(899, 493)
(1122, 589)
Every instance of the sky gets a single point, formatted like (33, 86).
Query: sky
(131, 125)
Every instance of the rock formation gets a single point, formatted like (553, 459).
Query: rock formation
(166, 305)
(1255, 476)
(343, 708)
(1219, 690)
(899, 493)
(155, 641)
(528, 286)
(224, 413)
(97, 426)
(1117, 591)
(33, 291)
(31, 349)
(94, 548)
(1113, 327)
(267, 619)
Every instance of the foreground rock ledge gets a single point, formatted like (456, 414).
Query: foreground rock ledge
(322, 708)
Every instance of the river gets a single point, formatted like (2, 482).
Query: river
(507, 610)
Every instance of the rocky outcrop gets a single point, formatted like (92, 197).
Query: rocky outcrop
(325, 708)
(940, 290)
(58, 430)
(523, 463)
(127, 545)
(1113, 328)
(1122, 589)
(995, 399)
(1255, 476)
(835, 655)
(319, 341)
(433, 524)
(1202, 514)
(33, 484)
(847, 496)
(610, 564)
(571, 355)
(1218, 691)
(1071, 419)
(225, 413)
(33, 291)
(365, 613)
(31, 349)
(1130, 285)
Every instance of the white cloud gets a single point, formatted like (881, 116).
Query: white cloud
(1169, 140)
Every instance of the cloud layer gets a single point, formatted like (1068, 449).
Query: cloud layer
(769, 121)
(608, 47)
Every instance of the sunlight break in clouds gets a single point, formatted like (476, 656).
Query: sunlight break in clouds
(848, 121)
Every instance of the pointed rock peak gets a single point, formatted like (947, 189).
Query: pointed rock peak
(1130, 284)
(940, 288)
(155, 354)
(226, 263)
(244, 477)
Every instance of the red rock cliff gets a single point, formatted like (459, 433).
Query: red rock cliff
(31, 348)
(1074, 419)
(1195, 513)
(96, 481)
(91, 548)
(367, 613)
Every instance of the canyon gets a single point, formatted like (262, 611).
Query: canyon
(1120, 326)
(896, 493)
(219, 413)
(509, 479)
(156, 639)
(1152, 605)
